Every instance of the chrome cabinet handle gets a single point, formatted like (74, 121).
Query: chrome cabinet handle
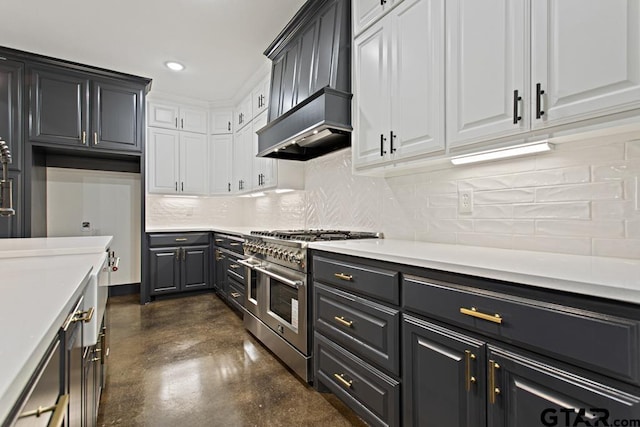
(473, 312)
(347, 277)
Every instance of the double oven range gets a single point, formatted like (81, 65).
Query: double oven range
(278, 283)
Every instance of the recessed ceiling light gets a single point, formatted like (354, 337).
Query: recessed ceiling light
(175, 66)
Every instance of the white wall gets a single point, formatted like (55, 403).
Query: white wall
(110, 201)
(579, 199)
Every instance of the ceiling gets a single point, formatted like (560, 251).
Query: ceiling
(220, 42)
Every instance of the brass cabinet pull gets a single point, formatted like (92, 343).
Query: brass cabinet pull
(219, 256)
(84, 316)
(493, 390)
(236, 244)
(219, 240)
(236, 294)
(184, 254)
(473, 312)
(234, 266)
(469, 378)
(95, 138)
(347, 323)
(343, 276)
(340, 377)
(177, 254)
(59, 411)
(181, 239)
(84, 137)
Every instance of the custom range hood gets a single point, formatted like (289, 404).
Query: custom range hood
(310, 97)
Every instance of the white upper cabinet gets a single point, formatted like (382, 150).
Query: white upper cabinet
(193, 119)
(585, 58)
(486, 69)
(244, 112)
(175, 116)
(260, 97)
(242, 165)
(264, 169)
(399, 85)
(221, 122)
(366, 12)
(221, 149)
(178, 162)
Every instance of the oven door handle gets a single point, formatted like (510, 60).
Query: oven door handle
(296, 284)
(247, 264)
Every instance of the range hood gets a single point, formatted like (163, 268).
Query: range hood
(310, 97)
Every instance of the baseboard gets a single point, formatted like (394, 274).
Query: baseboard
(120, 290)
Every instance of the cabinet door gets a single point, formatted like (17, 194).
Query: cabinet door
(308, 53)
(244, 112)
(324, 71)
(242, 161)
(444, 373)
(417, 88)
(366, 12)
(11, 76)
(586, 59)
(264, 169)
(194, 164)
(11, 226)
(289, 83)
(59, 108)
(276, 85)
(163, 154)
(221, 122)
(372, 121)
(116, 117)
(193, 119)
(221, 160)
(195, 267)
(525, 392)
(163, 115)
(164, 269)
(220, 270)
(260, 97)
(485, 65)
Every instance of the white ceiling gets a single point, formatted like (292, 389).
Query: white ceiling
(220, 42)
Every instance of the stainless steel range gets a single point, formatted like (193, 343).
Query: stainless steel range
(278, 291)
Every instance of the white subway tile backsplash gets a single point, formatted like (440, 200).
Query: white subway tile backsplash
(493, 211)
(580, 228)
(619, 248)
(574, 155)
(436, 237)
(568, 175)
(575, 210)
(450, 225)
(439, 200)
(496, 226)
(488, 240)
(565, 245)
(592, 191)
(520, 195)
(609, 209)
(633, 229)
(633, 149)
(615, 171)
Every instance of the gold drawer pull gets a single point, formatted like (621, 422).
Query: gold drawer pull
(493, 390)
(236, 294)
(236, 244)
(473, 312)
(343, 276)
(340, 377)
(234, 266)
(347, 323)
(181, 239)
(84, 316)
(59, 411)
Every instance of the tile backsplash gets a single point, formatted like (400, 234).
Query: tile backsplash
(579, 199)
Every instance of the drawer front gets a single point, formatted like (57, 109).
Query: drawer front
(582, 337)
(362, 279)
(370, 393)
(232, 243)
(178, 239)
(235, 270)
(235, 295)
(367, 329)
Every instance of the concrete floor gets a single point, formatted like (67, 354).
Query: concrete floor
(189, 362)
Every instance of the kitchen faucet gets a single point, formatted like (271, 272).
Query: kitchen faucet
(6, 199)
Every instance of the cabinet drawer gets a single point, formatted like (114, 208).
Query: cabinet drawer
(178, 239)
(580, 336)
(367, 329)
(371, 281)
(236, 295)
(370, 393)
(235, 270)
(232, 243)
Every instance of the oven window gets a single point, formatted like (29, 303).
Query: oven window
(283, 302)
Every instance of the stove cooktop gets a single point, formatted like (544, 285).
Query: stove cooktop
(316, 235)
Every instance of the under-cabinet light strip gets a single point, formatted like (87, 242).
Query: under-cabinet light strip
(501, 153)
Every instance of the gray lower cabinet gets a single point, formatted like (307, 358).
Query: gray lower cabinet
(229, 275)
(183, 266)
(11, 80)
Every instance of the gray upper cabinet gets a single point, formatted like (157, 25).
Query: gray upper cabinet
(78, 109)
(11, 76)
(305, 57)
(12, 226)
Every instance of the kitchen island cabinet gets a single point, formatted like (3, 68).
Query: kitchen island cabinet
(478, 347)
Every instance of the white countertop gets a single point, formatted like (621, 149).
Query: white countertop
(613, 278)
(40, 280)
(217, 229)
(43, 246)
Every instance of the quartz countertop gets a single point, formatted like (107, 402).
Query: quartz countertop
(40, 280)
(218, 229)
(613, 278)
(43, 246)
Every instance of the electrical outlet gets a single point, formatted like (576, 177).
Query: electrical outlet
(465, 201)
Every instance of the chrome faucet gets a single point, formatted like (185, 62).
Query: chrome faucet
(6, 199)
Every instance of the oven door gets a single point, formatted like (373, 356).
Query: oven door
(283, 303)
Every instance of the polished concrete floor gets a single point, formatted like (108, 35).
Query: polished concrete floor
(189, 362)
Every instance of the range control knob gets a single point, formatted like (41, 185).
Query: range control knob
(298, 258)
